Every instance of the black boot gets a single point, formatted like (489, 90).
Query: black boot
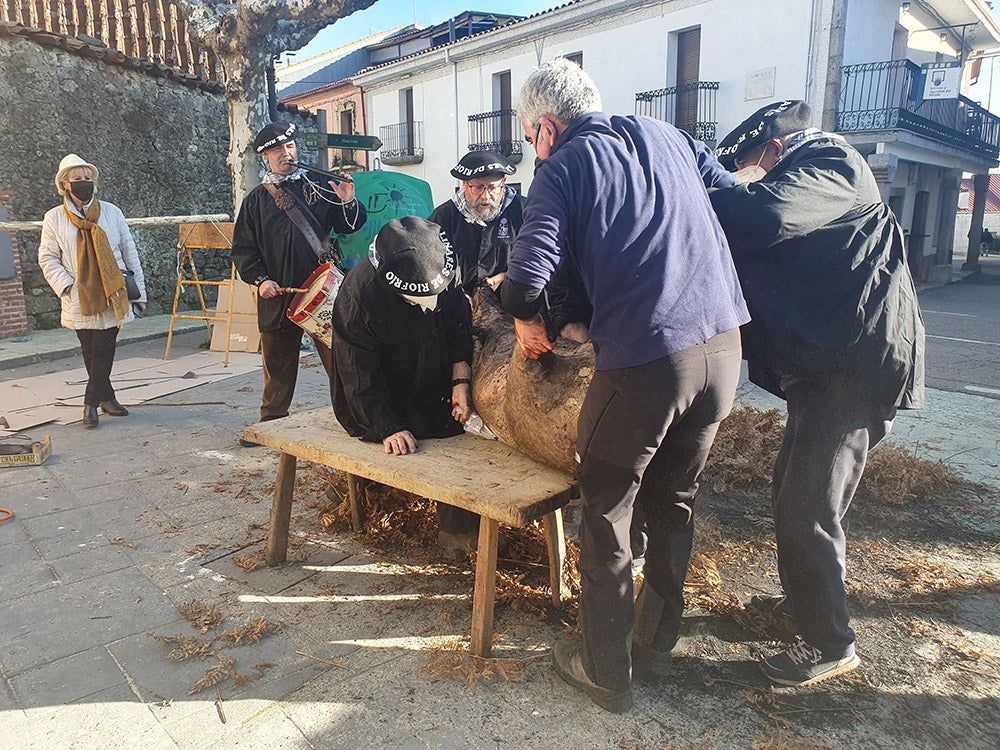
(113, 408)
(89, 416)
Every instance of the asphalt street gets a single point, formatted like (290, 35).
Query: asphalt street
(963, 333)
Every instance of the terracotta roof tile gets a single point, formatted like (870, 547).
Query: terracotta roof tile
(992, 195)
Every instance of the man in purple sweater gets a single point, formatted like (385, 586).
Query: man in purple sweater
(624, 199)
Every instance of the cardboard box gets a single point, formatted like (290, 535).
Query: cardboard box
(244, 335)
(37, 456)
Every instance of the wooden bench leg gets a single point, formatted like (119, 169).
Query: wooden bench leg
(555, 540)
(486, 587)
(354, 493)
(281, 511)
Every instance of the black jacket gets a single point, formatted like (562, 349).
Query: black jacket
(392, 361)
(482, 250)
(823, 268)
(266, 244)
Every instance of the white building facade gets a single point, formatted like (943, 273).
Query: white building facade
(705, 65)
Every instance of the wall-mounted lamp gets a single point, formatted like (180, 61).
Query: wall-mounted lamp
(905, 7)
(944, 37)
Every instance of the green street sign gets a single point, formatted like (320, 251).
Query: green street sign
(312, 140)
(359, 142)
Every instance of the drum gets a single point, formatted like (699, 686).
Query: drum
(312, 310)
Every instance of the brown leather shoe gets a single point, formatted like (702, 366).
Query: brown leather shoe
(89, 416)
(568, 662)
(113, 408)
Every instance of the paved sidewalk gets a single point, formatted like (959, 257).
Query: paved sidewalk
(128, 523)
(46, 346)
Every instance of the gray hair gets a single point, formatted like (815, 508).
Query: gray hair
(559, 88)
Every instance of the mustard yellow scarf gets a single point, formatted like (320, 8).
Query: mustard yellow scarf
(98, 276)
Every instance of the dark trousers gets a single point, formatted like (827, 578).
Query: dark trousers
(644, 432)
(452, 520)
(822, 457)
(280, 351)
(98, 357)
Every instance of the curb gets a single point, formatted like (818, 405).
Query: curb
(73, 349)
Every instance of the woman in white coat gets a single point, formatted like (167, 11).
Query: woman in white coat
(85, 246)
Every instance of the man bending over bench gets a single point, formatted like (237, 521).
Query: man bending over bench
(402, 351)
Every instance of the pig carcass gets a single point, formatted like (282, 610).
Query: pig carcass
(531, 405)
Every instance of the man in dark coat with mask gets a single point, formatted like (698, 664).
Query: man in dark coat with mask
(271, 252)
(402, 346)
(836, 331)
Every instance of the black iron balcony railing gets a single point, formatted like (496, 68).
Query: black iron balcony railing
(690, 106)
(402, 143)
(888, 96)
(498, 132)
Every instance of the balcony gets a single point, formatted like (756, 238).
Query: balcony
(402, 143)
(498, 132)
(888, 96)
(690, 107)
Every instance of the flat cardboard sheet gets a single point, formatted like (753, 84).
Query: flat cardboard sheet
(58, 397)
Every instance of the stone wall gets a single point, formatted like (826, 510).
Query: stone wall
(13, 316)
(160, 145)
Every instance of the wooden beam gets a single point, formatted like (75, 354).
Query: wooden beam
(555, 541)
(144, 221)
(485, 591)
(355, 492)
(281, 511)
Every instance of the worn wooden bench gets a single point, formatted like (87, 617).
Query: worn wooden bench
(483, 476)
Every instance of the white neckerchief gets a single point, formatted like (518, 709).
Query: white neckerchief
(463, 205)
(800, 139)
(273, 179)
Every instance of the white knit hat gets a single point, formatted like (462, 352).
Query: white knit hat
(71, 161)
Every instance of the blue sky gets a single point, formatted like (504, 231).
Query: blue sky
(387, 14)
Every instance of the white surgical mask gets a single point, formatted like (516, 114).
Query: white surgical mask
(428, 303)
(751, 173)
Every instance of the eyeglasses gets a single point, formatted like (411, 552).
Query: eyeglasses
(495, 189)
(528, 138)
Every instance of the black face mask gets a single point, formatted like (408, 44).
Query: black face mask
(82, 189)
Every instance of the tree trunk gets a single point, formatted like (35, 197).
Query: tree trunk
(248, 113)
(245, 37)
(531, 405)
